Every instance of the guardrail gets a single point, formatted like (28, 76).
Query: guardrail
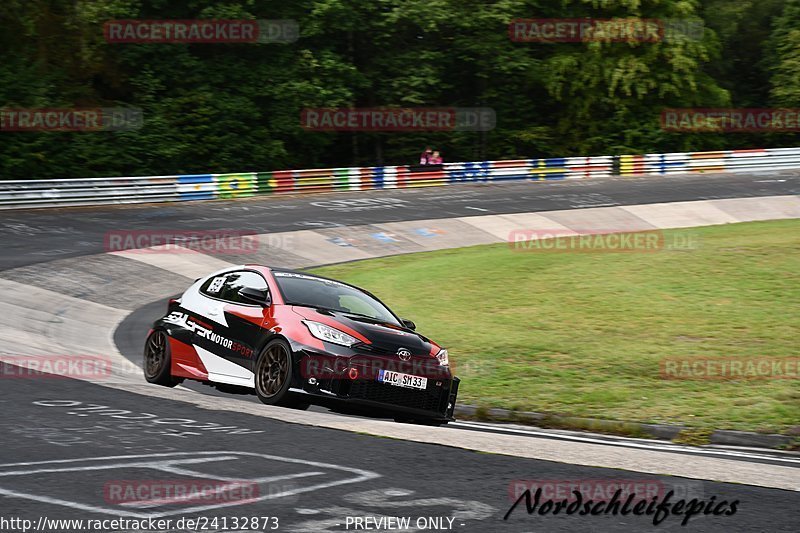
(101, 191)
(21, 194)
(722, 161)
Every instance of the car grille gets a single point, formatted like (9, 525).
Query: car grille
(428, 400)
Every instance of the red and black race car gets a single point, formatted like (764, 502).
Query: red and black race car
(296, 339)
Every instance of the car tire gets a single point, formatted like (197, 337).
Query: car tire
(158, 360)
(273, 376)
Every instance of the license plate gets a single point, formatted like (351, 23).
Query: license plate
(402, 380)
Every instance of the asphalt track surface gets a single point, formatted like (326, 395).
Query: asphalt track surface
(36, 236)
(67, 444)
(92, 449)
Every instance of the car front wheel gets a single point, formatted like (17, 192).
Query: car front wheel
(273, 376)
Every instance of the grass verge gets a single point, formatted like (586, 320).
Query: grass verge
(584, 334)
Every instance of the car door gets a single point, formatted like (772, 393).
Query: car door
(228, 341)
(245, 319)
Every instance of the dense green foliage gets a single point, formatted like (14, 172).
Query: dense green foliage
(236, 107)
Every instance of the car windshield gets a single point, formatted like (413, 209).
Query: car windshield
(311, 291)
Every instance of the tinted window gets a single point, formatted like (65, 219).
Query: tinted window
(310, 291)
(226, 286)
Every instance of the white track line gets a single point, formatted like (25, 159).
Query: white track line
(648, 446)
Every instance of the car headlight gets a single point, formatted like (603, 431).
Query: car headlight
(443, 357)
(329, 334)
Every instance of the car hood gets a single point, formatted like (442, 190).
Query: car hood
(384, 338)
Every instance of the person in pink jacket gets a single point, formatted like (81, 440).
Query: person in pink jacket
(424, 158)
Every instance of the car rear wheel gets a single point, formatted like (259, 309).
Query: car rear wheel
(158, 360)
(273, 376)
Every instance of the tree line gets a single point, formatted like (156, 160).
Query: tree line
(238, 106)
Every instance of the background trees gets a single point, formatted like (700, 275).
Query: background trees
(236, 107)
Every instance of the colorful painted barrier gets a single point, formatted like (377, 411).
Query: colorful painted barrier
(102, 191)
(204, 187)
(707, 162)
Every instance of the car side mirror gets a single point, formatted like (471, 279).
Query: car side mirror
(408, 323)
(256, 296)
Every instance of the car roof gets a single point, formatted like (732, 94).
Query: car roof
(309, 274)
(302, 273)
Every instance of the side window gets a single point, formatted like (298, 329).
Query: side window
(213, 286)
(226, 286)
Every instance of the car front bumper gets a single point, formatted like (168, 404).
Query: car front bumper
(352, 377)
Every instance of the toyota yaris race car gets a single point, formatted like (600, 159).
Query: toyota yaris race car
(295, 339)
